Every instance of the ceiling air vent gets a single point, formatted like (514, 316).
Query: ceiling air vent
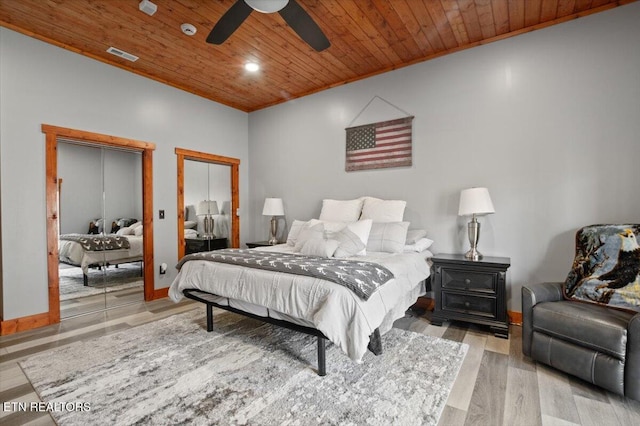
(122, 54)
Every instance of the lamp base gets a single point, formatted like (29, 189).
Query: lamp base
(473, 230)
(274, 231)
(473, 254)
(208, 228)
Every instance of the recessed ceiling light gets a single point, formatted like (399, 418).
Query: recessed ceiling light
(251, 66)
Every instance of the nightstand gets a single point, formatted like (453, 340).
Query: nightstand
(259, 244)
(472, 291)
(199, 244)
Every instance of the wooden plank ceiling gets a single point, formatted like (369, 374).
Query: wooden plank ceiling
(367, 38)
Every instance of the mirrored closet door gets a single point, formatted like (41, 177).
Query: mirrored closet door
(100, 228)
(207, 199)
(208, 202)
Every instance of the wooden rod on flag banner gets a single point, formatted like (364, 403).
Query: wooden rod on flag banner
(369, 103)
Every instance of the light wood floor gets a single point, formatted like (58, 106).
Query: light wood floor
(496, 384)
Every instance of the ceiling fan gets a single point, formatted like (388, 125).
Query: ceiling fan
(293, 14)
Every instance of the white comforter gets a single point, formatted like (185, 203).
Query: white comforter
(343, 317)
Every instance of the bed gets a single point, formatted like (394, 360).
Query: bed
(88, 250)
(312, 304)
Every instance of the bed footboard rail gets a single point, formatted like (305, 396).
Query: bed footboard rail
(206, 298)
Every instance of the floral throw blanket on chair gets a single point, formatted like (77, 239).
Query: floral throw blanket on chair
(606, 269)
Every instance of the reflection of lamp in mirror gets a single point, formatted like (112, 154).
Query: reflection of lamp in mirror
(207, 208)
(273, 207)
(474, 202)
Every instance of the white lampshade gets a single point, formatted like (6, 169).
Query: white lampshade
(207, 207)
(273, 207)
(475, 201)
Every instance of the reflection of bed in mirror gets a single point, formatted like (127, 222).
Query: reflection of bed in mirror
(123, 245)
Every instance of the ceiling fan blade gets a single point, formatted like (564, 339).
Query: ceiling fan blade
(229, 22)
(300, 21)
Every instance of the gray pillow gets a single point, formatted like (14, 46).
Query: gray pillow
(319, 247)
(413, 235)
(307, 233)
(388, 237)
(350, 243)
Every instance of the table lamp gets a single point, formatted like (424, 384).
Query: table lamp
(273, 207)
(207, 208)
(474, 202)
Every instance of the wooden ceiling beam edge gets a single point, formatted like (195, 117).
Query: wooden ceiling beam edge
(249, 107)
(186, 46)
(466, 46)
(106, 61)
(141, 38)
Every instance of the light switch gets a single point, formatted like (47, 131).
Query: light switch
(161, 214)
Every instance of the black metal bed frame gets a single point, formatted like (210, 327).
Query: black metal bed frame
(201, 296)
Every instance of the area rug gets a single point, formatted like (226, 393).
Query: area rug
(244, 372)
(123, 277)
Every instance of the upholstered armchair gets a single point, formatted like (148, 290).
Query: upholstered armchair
(589, 325)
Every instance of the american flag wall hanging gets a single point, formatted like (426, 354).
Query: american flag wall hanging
(379, 145)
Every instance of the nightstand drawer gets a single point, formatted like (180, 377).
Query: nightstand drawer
(197, 245)
(484, 282)
(471, 305)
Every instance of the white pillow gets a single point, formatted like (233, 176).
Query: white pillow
(388, 237)
(308, 232)
(414, 235)
(349, 243)
(136, 225)
(383, 210)
(421, 245)
(296, 227)
(319, 247)
(125, 231)
(341, 210)
(361, 228)
(190, 224)
(137, 231)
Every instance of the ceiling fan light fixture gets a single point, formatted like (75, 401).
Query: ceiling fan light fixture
(267, 6)
(251, 66)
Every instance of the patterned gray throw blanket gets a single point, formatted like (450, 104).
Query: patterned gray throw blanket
(98, 242)
(363, 278)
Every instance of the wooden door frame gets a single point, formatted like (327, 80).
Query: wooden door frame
(234, 163)
(53, 133)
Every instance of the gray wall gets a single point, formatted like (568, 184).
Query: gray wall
(87, 174)
(41, 83)
(80, 168)
(548, 121)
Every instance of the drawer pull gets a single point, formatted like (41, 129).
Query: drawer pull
(467, 304)
(467, 281)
